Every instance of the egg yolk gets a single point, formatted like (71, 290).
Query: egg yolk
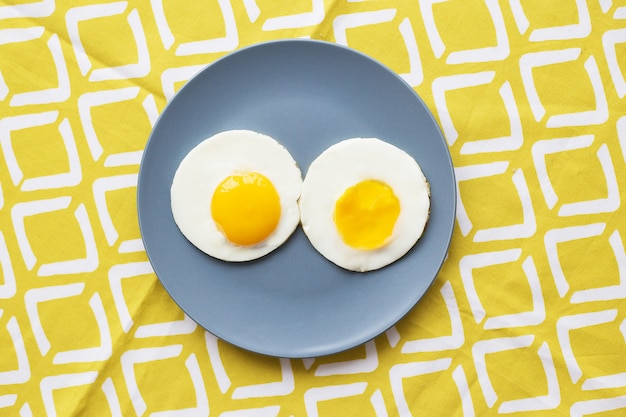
(366, 214)
(246, 208)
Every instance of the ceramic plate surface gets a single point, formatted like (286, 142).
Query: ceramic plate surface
(308, 95)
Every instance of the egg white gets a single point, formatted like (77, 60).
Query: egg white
(208, 164)
(345, 164)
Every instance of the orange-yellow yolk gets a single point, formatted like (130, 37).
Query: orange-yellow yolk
(246, 208)
(366, 214)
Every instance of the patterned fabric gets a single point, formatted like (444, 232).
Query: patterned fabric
(527, 316)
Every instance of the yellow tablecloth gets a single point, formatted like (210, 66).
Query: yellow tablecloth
(527, 316)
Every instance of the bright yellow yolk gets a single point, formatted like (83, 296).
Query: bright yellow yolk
(246, 208)
(366, 213)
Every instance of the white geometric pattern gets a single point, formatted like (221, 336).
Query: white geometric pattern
(7, 400)
(270, 389)
(610, 292)
(227, 43)
(527, 228)
(85, 13)
(407, 370)
(89, 100)
(279, 388)
(51, 95)
(100, 187)
(342, 23)
(117, 273)
(357, 366)
(112, 399)
(544, 402)
(526, 318)
(567, 234)
(589, 407)
(565, 326)
(572, 233)
(610, 40)
(8, 287)
(486, 54)
(23, 373)
(42, 8)
(36, 296)
(455, 82)
(74, 266)
(315, 16)
(50, 384)
(328, 393)
(621, 134)
(212, 347)
(146, 355)
(530, 99)
(582, 29)
(25, 411)
(66, 179)
(552, 146)
(545, 58)
(174, 75)
(453, 341)
(269, 411)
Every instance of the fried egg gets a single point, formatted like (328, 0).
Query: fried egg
(364, 203)
(235, 195)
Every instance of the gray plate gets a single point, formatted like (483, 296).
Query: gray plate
(307, 95)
